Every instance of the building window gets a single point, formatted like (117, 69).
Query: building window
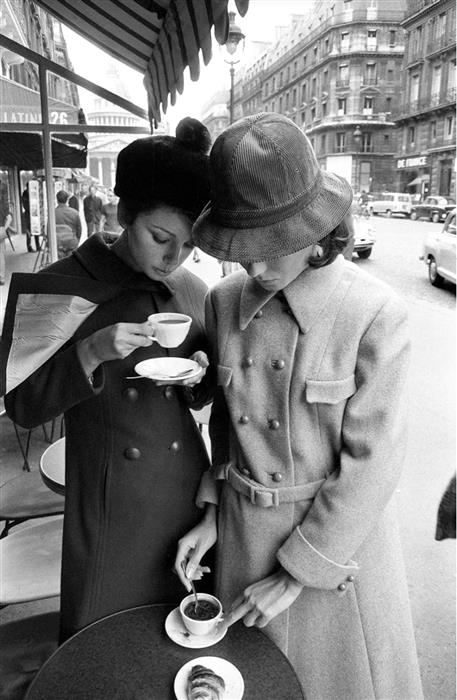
(295, 68)
(273, 105)
(315, 53)
(441, 28)
(303, 92)
(449, 126)
(343, 74)
(344, 41)
(436, 85)
(273, 86)
(367, 145)
(433, 130)
(288, 73)
(324, 109)
(388, 105)
(304, 60)
(280, 79)
(314, 87)
(368, 105)
(390, 75)
(327, 45)
(371, 40)
(294, 97)
(312, 142)
(313, 114)
(411, 135)
(323, 143)
(287, 101)
(392, 37)
(341, 106)
(325, 80)
(280, 105)
(370, 74)
(414, 91)
(340, 142)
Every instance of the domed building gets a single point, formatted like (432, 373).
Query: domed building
(103, 148)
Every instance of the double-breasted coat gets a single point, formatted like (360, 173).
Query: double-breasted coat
(134, 456)
(313, 382)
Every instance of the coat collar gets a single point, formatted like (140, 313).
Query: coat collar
(307, 295)
(104, 265)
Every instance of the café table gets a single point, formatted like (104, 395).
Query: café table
(128, 656)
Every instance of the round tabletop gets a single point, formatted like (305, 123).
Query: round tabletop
(129, 655)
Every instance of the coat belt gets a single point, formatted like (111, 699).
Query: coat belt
(261, 495)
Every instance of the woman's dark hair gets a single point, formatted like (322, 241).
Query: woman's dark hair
(332, 245)
(128, 210)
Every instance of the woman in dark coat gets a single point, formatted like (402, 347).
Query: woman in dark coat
(134, 456)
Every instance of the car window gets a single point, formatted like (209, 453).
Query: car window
(451, 225)
(403, 198)
(387, 198)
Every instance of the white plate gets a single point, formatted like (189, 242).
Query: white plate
(163, 369)
(234, 684)
(175, 629)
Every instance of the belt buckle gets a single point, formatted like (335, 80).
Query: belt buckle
(264, 498)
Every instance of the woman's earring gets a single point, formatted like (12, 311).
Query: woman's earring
(317, 251)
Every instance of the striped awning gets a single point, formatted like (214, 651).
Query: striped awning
(160, 38)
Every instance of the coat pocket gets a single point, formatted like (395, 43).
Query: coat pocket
(330, 391)
(224, 375)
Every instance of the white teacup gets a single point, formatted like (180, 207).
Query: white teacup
(169, 329)
(200, 627)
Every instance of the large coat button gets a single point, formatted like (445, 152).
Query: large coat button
(169, 393)
(132, 453)
(249, 362)
(342, 587)
(274, 424)
(277, 476)
(278, 364)
(259, 314)
(245, 472)
(175, 446)
(244, 420)
(131, 394)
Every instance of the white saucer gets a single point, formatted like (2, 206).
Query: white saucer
(175, 629)
(234, 684)
(163, 368)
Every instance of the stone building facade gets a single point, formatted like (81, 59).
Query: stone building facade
(337, 73)
(425, 161)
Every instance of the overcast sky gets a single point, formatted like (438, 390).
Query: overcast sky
(258, 25)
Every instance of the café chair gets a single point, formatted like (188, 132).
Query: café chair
(27, 497)
(25, 645)
(31, 561)
(52, 467)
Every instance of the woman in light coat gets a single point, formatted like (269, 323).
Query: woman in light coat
(308, 426)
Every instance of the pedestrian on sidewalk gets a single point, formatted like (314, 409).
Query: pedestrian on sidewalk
(92, 205)
(5, 221)
(134, 455)
(308, 427)
(25, 221)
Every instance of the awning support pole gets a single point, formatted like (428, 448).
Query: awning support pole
(47, 154)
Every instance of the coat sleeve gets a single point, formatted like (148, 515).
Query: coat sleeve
(319, 551)
(58, 385)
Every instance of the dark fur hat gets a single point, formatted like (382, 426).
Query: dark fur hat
(172, 170)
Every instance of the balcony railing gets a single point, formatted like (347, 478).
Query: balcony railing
(369, 81)
(439, 42)
(342, 83)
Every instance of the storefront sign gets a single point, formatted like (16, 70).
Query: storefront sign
(34, 117)
(415, 162)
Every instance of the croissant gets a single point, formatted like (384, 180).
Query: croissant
(204, 684)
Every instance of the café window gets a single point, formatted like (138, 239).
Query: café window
(340, 142)
(367, 105)
(341, 106)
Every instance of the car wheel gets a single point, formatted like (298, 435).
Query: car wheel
(435, 217)
(413, 215)
(388, 213)
(434, 276)
(364, 253)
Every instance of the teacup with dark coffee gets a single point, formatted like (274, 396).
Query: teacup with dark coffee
(201, 617)
(169, 329)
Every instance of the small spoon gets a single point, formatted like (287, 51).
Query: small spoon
(183, 567)
(165, 376)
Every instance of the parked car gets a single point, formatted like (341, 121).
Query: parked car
(389, 203)
(364, 237)
(439, 253)
(433, 208)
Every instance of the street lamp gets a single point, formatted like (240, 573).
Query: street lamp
(235, 35)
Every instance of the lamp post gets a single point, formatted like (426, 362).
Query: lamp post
(235, 35)
(357, 138)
